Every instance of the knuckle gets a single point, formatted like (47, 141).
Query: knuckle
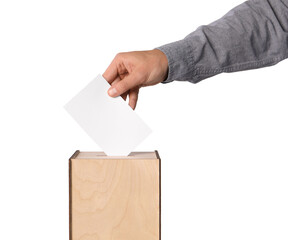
(119, 55)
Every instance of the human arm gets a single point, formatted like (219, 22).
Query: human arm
(252, 35)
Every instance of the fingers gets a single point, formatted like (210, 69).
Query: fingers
(124, 95)
(133, 94)
(133, 97)
(116, 80)
(111, 72)
(116, 68)
(127, 83)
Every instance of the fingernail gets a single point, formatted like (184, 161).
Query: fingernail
(112, 92)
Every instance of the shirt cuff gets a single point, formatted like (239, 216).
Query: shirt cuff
(181, 65)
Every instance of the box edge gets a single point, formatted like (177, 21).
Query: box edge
(70, 191)
(160, 210)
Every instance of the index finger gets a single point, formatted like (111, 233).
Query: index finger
(123, 86)
(111, 72)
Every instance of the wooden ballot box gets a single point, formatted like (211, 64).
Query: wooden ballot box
(114, 198)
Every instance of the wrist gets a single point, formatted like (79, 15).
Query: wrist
(162, 63)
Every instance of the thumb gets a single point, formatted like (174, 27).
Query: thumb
(124, 85)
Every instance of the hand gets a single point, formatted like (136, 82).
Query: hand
(130, 71)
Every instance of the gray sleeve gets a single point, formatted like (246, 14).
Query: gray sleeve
(252, 35)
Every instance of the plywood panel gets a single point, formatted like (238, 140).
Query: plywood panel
(114, 199)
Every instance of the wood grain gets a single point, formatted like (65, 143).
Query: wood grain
(114, 198)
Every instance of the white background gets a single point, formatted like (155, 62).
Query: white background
(223, 142)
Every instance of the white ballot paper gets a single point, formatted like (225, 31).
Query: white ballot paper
(110, 122)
